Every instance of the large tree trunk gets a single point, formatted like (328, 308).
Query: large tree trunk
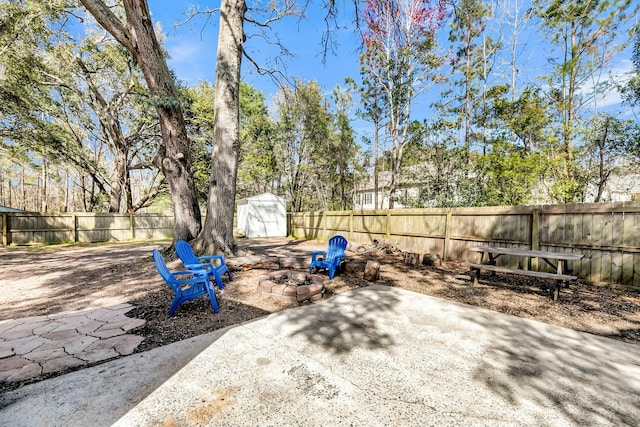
(217, 232)
(117, 182)
(173, 157)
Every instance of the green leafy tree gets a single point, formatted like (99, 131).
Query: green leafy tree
(473, 61)
(33, 111)
(630, 90)
(303, 135)
(344, 168)
(87, 98)
(612, 148)
(256, 169)
(257, 172)
(508, 175)
(586, 37)
(111, 88)
(399, 38)
(525, 121)
(199, 119)
(440, 169)
(317, 157)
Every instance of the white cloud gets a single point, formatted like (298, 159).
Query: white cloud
(619, 74)
(184, 50)
(192, 59)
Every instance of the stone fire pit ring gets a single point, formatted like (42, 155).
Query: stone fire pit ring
(291, 286)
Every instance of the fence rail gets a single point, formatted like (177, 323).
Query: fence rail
(34, 228)
(607, 234)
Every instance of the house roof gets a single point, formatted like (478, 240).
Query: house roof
(261, 197)
(8, 209)
(409, 177)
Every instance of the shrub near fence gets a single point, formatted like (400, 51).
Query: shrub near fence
(34, 228)
(607, 234)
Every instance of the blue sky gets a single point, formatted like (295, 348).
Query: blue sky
(192, 47)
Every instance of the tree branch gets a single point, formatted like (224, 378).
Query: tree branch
(105, 17)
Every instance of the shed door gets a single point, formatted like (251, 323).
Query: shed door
(264, 220)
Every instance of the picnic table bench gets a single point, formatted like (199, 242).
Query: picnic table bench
(557, 260)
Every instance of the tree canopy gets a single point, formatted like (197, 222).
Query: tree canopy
(95, 120)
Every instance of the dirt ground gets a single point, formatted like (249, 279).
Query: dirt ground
(44, 280)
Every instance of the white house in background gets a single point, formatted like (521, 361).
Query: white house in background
(364, 198)
(264, 215)
(619, 188)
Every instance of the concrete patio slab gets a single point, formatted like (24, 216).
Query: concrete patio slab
(374, 356)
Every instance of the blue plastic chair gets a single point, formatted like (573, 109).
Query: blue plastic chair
(185, 289)
(192, 262)
(331, 258)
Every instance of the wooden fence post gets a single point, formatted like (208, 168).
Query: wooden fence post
(350, 225)
(447, 235)
(388, 224)
(306, 229)
(323, 221)
(535, 237)
(5, 230)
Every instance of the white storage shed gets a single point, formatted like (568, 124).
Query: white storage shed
(264, 215)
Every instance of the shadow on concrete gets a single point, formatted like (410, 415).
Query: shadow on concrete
(344, 329)
(557, 367)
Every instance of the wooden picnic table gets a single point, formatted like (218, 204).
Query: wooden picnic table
(559, 261)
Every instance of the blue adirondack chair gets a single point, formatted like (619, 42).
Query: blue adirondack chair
(196, 285)
(331, 258)
(191, 261)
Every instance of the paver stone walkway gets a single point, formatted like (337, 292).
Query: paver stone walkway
(33, 346)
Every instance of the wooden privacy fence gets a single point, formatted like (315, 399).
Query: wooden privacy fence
(607, 234)
(34, 228)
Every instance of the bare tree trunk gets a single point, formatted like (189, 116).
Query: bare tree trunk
(393, 184)
(571, 107)
(397, 152)
(173, 157)
(376, 142)
(117, 182)
(128, 191)
(66, 192)
(83, 191)
(467, 95)
(603, 173)
(24, 191)
(217, 232)
(112, 131)
(43, 189)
